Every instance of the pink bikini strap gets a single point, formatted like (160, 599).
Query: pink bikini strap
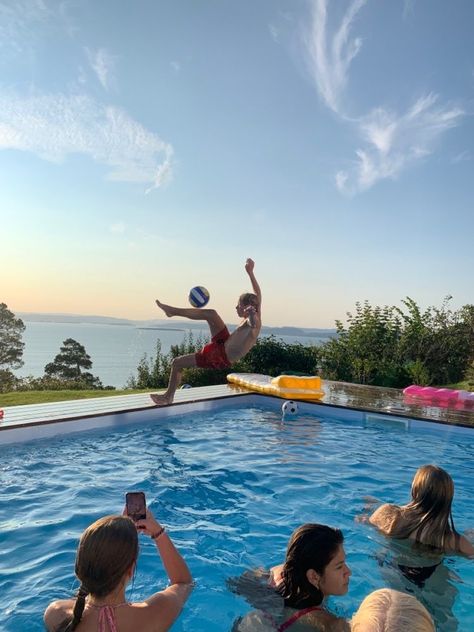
(107, 619)
(297, 615)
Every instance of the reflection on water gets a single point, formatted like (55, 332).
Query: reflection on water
(424, 575)
(231, 486)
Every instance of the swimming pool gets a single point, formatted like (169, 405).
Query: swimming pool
(230, 485)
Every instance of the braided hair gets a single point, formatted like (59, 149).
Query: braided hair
(107, 550)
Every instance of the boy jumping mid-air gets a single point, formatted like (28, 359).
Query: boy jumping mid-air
(224, 348)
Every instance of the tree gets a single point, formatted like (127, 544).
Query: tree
(269, 355)
(11, 347)
(394, 346)
(69, 362)
(11, 344)
(366, 351)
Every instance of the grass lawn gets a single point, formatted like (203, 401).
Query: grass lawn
(460, 386)
(18, 398)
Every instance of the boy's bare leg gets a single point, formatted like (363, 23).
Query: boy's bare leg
(215, 322)
(178, 364)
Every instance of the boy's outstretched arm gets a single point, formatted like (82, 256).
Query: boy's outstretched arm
(249, 266)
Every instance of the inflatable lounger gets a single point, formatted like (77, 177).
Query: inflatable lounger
(286, 386)
(434, 394)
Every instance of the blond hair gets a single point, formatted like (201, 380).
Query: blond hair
(249, 299)
(388, 610)
(428, 514)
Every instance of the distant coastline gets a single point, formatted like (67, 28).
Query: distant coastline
(162, 325)
(162, 328)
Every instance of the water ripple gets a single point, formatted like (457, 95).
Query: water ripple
(230, 486)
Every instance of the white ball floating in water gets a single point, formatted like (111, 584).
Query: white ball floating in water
(289, 408)
(198, 296)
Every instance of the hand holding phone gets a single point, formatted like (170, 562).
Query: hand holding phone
(135, 505)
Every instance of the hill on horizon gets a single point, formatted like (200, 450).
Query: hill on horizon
(162, 324)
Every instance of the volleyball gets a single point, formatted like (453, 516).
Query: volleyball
(198, 296)
(289, 408)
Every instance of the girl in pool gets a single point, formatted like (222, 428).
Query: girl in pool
(314, 568)
(105, 563)
(427, 518)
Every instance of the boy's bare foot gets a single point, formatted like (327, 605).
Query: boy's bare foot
(168, 309)
(161, 400)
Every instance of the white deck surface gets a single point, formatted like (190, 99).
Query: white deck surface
(40, 413)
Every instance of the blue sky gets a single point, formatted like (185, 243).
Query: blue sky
(149, 146)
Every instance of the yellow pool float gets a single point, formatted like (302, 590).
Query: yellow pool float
(286, 386)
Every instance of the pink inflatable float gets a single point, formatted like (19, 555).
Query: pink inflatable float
(444, 395)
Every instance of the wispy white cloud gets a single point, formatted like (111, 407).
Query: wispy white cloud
(19, 21)
(163, 173)
(175, 65)
(331, 54)
(408, 8)
(118, 228)
(54, 126)
(394, 142)
(463, 156)
(391, 142)
(274, 32)
(103, 64)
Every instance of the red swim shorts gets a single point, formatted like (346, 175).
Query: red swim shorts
(213, 355)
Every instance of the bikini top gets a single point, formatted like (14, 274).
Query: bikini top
(106, 621)
(294, 617)
(297, 615)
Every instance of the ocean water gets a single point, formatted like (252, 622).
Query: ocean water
(230, 486)
(115, 350)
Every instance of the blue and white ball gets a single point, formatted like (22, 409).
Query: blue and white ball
(289, 408)
(198, 296)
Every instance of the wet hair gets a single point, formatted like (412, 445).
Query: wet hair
(249, 299)
(388, 610)
(107, 550)
(428, 514)
(311, 546)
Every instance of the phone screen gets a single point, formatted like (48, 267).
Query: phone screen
(136, 505)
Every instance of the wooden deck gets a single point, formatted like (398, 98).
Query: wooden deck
(77, 409)
(116, 410)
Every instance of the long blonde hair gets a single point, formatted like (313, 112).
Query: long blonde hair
(428, 514)
(388, 610)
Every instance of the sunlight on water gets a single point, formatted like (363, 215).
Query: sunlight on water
(230, 487)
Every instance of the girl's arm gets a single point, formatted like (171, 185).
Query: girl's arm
(167, 604)
(175, 566)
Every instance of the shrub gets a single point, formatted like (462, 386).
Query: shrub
(470, 376)
(8, 381)
(394, 346)
(269, 356)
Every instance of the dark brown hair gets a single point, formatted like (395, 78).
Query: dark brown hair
(311, 546)
(106, 551)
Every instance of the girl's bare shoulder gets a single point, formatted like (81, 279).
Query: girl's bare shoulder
(56, 613)
(386, 516)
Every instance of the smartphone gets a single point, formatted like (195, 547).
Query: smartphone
(136, 505)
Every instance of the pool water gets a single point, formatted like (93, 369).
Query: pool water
(230, 486)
